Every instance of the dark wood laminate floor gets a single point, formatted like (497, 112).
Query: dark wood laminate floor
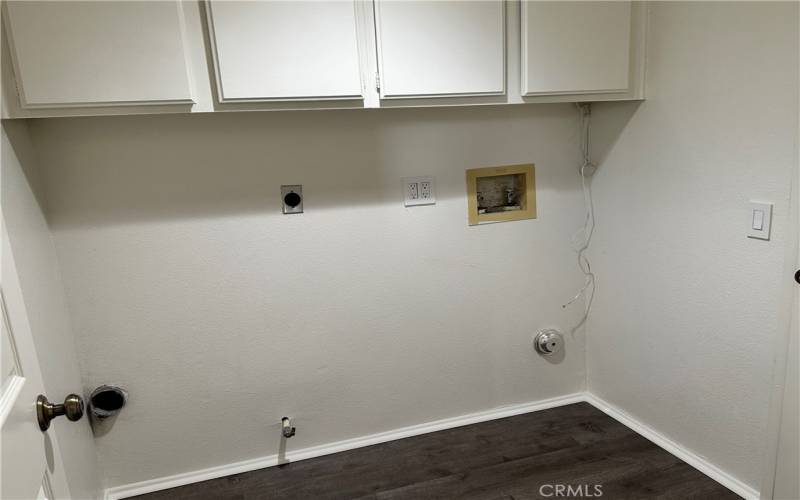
(506, 459)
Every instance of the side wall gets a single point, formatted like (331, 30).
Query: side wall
(682, 331)
(189, 288)
(46, 305)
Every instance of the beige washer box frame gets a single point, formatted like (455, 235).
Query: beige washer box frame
(527, 202)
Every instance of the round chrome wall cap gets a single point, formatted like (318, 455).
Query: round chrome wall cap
(548, 342)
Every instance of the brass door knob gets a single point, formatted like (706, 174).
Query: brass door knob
(47, 411)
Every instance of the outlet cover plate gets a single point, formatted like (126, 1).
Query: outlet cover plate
(292, 199)
(419, 191)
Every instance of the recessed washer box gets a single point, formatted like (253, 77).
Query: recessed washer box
(501, 194)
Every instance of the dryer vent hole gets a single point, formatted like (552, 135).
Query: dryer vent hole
(108, 400)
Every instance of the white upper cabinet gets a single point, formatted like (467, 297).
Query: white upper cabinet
(440, 48)
(285, 50)
(575, 47)
(78, 54)
(71, 57)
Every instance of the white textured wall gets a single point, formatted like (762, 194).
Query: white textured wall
(43, 293)
(687, 308)
(220, 315)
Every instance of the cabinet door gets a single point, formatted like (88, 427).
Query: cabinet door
(285, 50)
(441, 48)
(76, 54)
(575, 47)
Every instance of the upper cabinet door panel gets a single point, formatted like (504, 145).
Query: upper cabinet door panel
(284, 50)
(575, 47)
(74, 54)
(441, 48)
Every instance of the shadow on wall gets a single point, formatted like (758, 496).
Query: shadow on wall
(20, 140)
(607, 126)
(112, 170)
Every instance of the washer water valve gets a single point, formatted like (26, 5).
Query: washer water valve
(548, 342)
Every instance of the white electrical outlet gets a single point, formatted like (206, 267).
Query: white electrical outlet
(425, 190)
(419, 191)
(413, 190)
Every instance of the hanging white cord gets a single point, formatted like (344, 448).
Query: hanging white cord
(583, 237)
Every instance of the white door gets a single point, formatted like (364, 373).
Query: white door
(25, 450)
(786, 482)
(433, 48)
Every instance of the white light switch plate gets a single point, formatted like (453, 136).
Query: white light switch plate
(419, 191)
(759, 220)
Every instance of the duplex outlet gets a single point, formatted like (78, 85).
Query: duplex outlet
(425, 190)
(419, 191)
(412, 191)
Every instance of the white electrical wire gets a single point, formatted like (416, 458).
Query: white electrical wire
(583, 237)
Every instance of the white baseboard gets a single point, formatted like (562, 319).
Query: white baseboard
(162, 483)
(696, 461)
(687, 456)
